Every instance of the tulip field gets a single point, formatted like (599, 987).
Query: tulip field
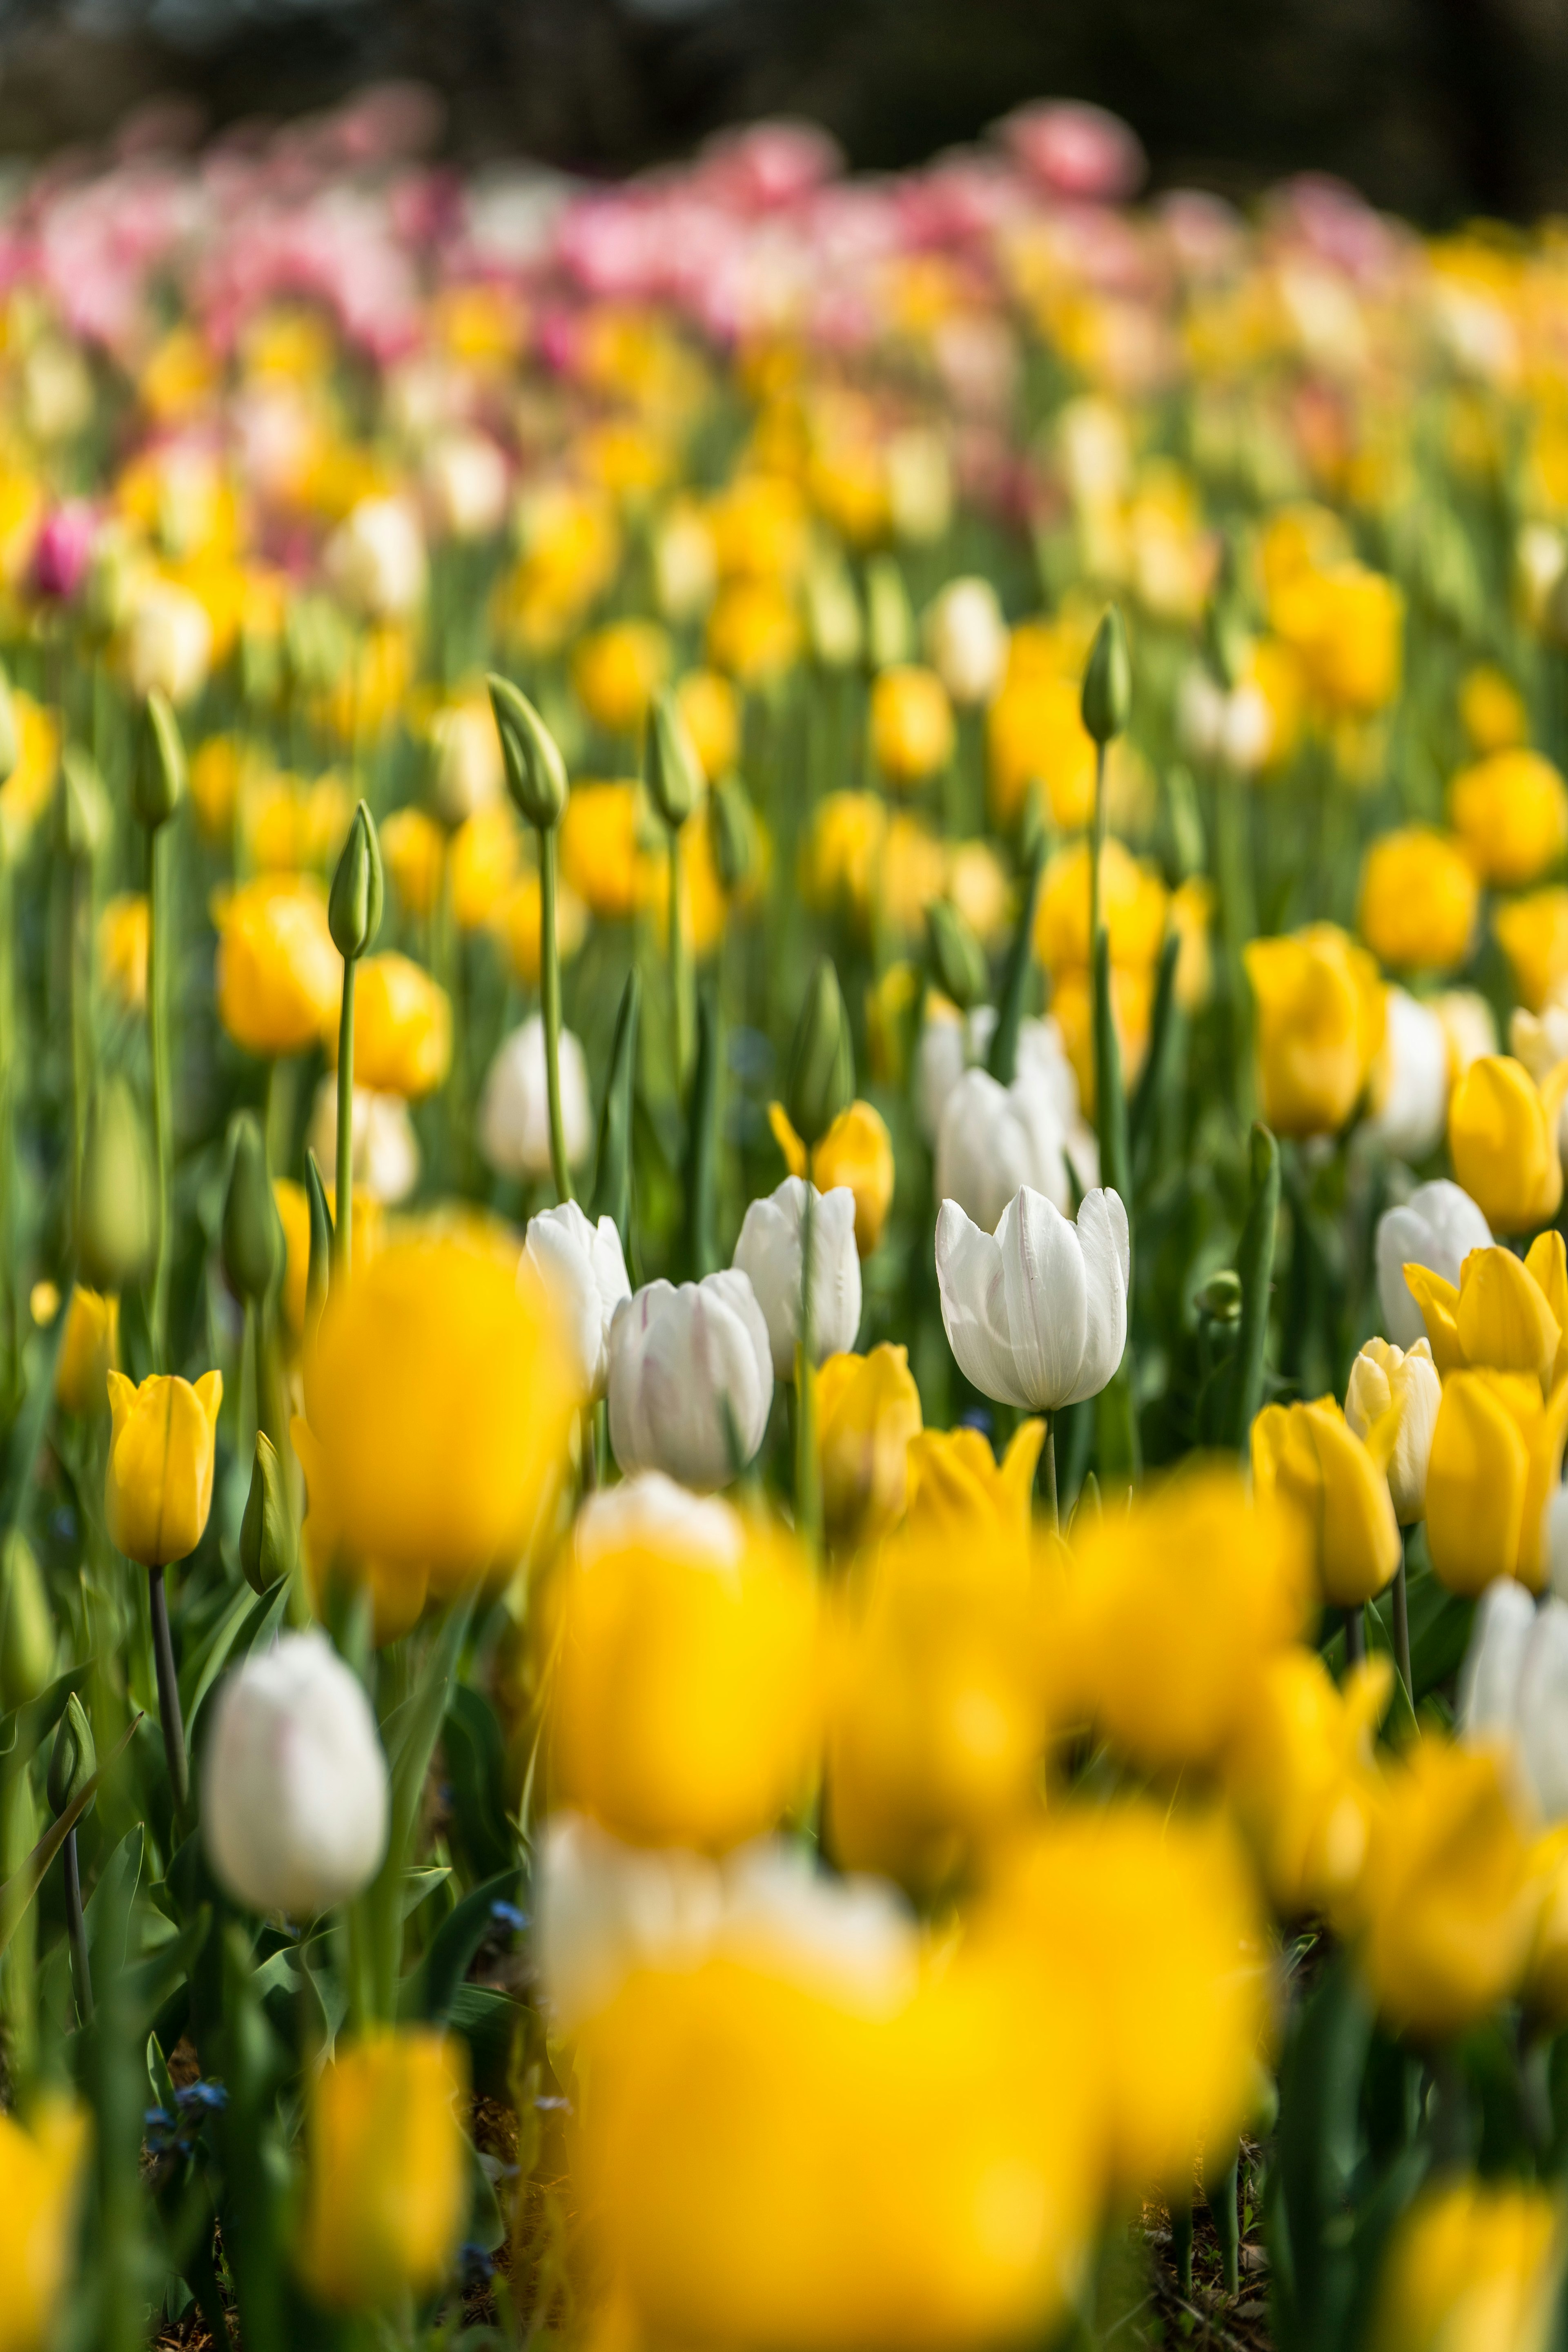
(784, 1316)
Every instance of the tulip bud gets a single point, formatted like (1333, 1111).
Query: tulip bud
(670, 769)
(116, 1190)
(320, 1259)
(26, 1624)
(7, 729)
(822, 1059)
(353, 910)
(1220, 1297)
(1107, 698)
(252, 1230)
(734, 834)
(266, 1532)
(957, 957)
(74, 1759)
(158, 785)
(889, 621)
(535, 771)
(87, 818)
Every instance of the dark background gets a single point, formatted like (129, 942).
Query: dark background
(1441, 108)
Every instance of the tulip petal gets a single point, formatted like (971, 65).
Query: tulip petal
(1046, 1286)
(971, 1281)
(1108, 1260)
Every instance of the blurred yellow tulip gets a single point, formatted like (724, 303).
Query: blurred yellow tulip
(868, 1409)
(1418, 900)
(1035, 735)
(158, 1487)
(280, 978)
(710, 709)
(959, 1490)
(1511, 811)
(1471, 2267)
(1301, 1780)
(1532, 932)
(519, 917)
(1320, 1012)
(485, 851)
(911, 724)
(414, 849)
(617, 672)
(858, 1152)
(1502, 1137)
(124, 930)
(1133, 906)
(1491, 710)
(753, 631)
(1496, 1453)
(1309, 1459)
(89, 1348)
(40, 2176)
(387, 2169)
(599, 852)
(403, 1028)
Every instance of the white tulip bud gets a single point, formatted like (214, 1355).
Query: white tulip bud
(966, 640)
(691, 1379)
(769, 1253)
(994, 1141)
(1438, 1226)
(375, 560)
(467, 486)
(514, 1107)
(294, 1791)
(1410, 1079)
(386, 1148)
(169, 642)
(584, 1270)
(468, 770)
(1384, 1378)
(1037, 1313)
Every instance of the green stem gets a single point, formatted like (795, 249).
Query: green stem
(1402, 1624)
(169, 1697)
(158, 1038)
(76, 1931)
(342, 1224)
(681, 1015)
(80, 969)
(1048, 1467)
(10, 1059)
(1223, 2204)
(807, 1468)
(549, 1002)
(1096, 848)
(1355, 1636)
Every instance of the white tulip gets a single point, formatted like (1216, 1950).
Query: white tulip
(1382, 1378)
(1544, 1710)
(583, 1267)
(1554, 1540)
(1037, 1313)
(684, 566)
(467, 486)
(294, 1788)
(966, 639)
(1514, 1688)
(691, 1379)
(769, 1253)
(650, 1511)
(169, 642)
(386, 1148)
(1438, 1226)
(375, 560)
(1411, 1080)
(467, 772)
(951, 1043)
(1488, 1680)
(1539, 1040)
(995, 1140)
(514, 1107)
(1468, 1026)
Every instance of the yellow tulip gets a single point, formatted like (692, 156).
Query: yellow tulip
(1418, 900)
(911, 724)
(712, 711)
(1035, 734)
(842, 854)
(1320, 1024)
(1388, 1380)
(387, 2169)
(414, 850)
(1300, 1778)
(1133, 906)
(29, 788)
(685, 1696)
(1511, 811)
(40, 2174)
(1132, 1005)
(158, 1488)
(1445, 1908)
(1532, 932)
(868, 1409)
(1544, 1992)
(280, 978)
(617, 672)
(124, 930)
(960, 1492)
(858, 1152)
(1491, 710)
(1497, 1452)
(1191, 917)
(1503, 1319)
(599, 854)
(1309, 1459)
(1502, 1137)
(290, 824)
(89, 1347)
(403, 1028)
(519, 921)
(760, 528)
(294, 1215)
(485, 851)
(912, 872)
(1471, 2267)
(1177, 1605)
(753, 632)
(439, 1408)
(1347, 625)
(217, 770)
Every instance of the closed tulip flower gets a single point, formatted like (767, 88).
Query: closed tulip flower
(1504, 1316)
(868, 1410)
(1532, 932)
(966, 639)
(1320, 1024)
(1436, 1227)
(584, 1267)
(386, 1148)
(769, 1253)
(685, 1703)
(993, 1139)
(1470, 2263)
(387, 2169)
(280, 978)
(123, 930)
(1301, 1778)
(856, 1153)
(1386, 1380)
(376, 559)
(1514, 1688)
(1037, 1313)
(89, 1350)
(414, 849)
(514, 1107)
(1497, 1455)
(158, 1488)
(1446, 1908)
(912, 725)
(294, 1788)
(41, 2170)
(1309, 1458)
(960, 1493)
(1511, 812)
(1408, 1092)
(1035, 733)
(1502, 1136)
(690, 1379)
(403, 1028)
(617, 672)
(1418, 900)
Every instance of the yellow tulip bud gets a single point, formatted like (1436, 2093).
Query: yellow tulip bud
(413, 849)
(1491, 710)
(686, 1698)
(961, 1493)
(1446, 1907)
(1036, 734)
(911, 724)
(1502, 1136)
(868, 1409)
(1504, 1320)
(710, 709)
(1533, 934)
(40, 2174)
(1511, 811)
(158, 1488)
(1308, 1457)
(1320, 1024)
(387, 2170)
(617, 670)
(1301, 1778)
(1470, 2265)
(1497, 1452)
(280, 978)
(485, 850)
(89, 1346)
(856, 1151)
(1418, 900)
(403, 1028)
(599, 848)
(1386, 1381)
(124, 930)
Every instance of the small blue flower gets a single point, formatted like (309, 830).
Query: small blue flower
(210, 2096)
(978, 1417)
(478, 2266)
(507, 1915)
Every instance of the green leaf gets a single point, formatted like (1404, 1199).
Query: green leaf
(430, 1989)
(1315, 2144)
(487, 2020)
(108, 1911)
(475, 1751)
(23, 1884)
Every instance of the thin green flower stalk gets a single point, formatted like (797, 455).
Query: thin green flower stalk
(354, 916)
(536, 779)
(159, 785)
(673, 777)
(821, 1083)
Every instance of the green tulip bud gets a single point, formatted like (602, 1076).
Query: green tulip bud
(535, 771)
(670, 768)
(319, 1269)
(158, 785)
(359, 889)
(267, 1530)
(1107, 698)
(733, 828)
(73, 1760)
(8, 744)
(822, 1059)
(28, 1637)
(889, 616)
(958, 959)
(1220, 1297)
(252, 1229)
(117, 1203)
(87, 819)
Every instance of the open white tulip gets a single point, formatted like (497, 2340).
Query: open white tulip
(1438, 1226)
(769, 1253)
(691, 1379)
(1381, 1378)
(1036, 1312)
(514, 1108)
(584, 1269)
(1514, 1687)
(294, 1790)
